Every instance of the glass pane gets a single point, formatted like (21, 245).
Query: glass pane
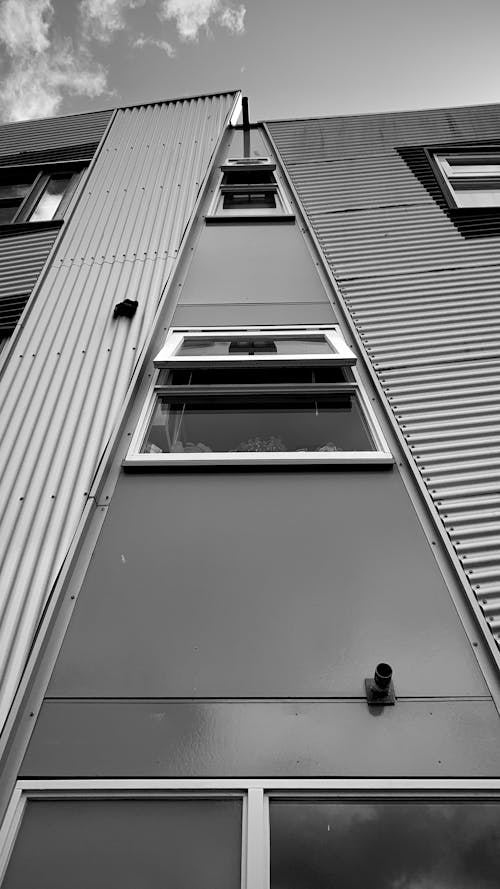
(8, 210)
(231, 426)
(249, 177)
(253, 375)
(256, 345)
(252, 199)
(14, 190)
(324, 845)
(130, 844)
(50, 199)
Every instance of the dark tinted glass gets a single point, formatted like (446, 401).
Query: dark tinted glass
(249, 177)
(16, 190)
(128, 844)
(385, 845)
(205, 376)
(264, 199)
(269, 424)
(8, 210)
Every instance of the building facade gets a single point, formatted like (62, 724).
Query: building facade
(251, 575)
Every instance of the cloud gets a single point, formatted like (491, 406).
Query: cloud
(40, 69)
(142, 41)
(191, 15)
(24, 26)
(233, 19)
(101, 18)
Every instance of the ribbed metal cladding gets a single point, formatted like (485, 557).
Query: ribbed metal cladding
(72, 362)
(22, 257)
(424, 291)
(53, 132)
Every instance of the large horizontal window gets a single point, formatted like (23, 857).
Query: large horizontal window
(252, 833)
(256, 395)
(33, 194)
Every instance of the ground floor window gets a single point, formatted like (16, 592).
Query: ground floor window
(254, 834)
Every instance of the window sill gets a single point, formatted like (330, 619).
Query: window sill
(247, 219)
(257, 460)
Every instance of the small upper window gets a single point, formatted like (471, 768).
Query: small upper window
(35, 195)
(249, 189)
(257, 395)
(469, 178)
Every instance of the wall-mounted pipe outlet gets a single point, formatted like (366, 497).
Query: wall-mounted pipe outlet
(380, 689)
(126, 309)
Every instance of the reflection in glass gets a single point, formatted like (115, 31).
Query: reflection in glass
(16, 190)
(11, 198)
(257, 345)
(51, 198)
(228, 425)
(321, 845)
(8, 210)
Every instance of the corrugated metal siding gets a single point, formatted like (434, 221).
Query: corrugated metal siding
(68, 375)
(22, 257)
(425, 296)
(23, 254)
(53, 132)
(50, 155)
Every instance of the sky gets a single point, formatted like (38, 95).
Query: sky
(291, 58)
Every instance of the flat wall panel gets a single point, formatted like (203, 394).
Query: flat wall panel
(253, 313)
(291, 584)
(169, 739)
(421, 284)
(251, 264)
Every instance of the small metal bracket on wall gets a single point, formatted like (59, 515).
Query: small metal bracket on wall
(380, 689)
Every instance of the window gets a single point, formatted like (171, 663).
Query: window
(450, 844)
(254, 833)
(32, 194)
(249, 190)
(469, 178)
(256, 396)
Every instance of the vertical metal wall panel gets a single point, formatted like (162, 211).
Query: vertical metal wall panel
(72, 363)
(424, 292)
(33, 135)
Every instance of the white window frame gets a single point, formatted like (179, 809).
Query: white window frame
(475, 162)
(342, 356)
(218, 213)
(256, 794)
(169, 355)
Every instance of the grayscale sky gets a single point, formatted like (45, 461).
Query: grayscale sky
(292, 58)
